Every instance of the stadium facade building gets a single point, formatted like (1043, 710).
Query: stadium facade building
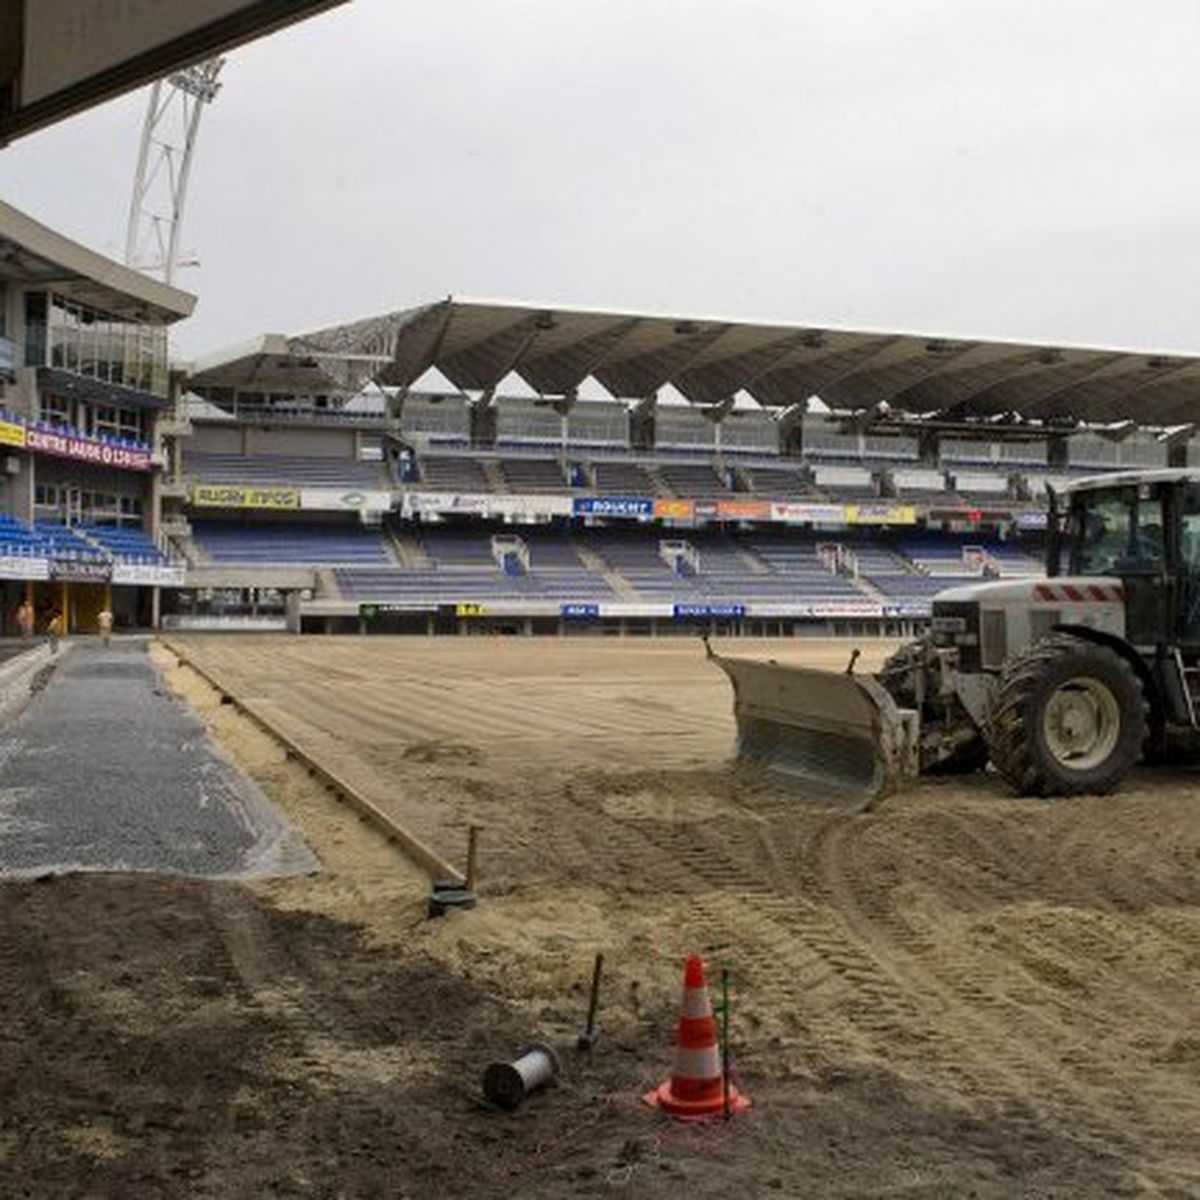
(475, 465)
(84, 389)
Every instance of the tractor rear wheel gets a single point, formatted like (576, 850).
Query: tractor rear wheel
(1068, 718)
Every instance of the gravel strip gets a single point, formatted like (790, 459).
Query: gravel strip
(106, 771)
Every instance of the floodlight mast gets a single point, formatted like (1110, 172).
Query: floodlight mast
(164, 165)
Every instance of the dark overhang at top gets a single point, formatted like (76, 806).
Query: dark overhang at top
(476, 344)
(58, 57)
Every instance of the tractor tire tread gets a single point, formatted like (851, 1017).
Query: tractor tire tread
(1019, 757)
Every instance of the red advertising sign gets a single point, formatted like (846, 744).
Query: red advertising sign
(103, 454)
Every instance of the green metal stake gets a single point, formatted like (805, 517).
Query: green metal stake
(725, 1041)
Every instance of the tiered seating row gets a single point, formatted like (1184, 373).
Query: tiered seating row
(82, 543)
(299, 543)
(287, 470)
(18, 540)
(125, 543)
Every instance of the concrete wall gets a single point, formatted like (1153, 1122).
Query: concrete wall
(255, 439)
(323, 443)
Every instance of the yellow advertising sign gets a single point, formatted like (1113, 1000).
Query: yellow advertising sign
(470, 610)
(880, 514)
(11, 434)
(236, 495)
(676, 510)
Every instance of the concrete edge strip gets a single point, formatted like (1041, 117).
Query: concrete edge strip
(16, 674)
(412, 846)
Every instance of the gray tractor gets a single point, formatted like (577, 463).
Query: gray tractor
(1063, 683)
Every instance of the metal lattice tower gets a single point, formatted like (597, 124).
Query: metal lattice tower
(164, 164)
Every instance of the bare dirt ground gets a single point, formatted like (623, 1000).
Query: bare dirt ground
(960, 994)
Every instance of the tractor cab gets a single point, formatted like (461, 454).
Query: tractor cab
(1142, 528)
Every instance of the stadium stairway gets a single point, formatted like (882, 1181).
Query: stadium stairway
(495, 476)
(327, 584)
(872, 592)
(407, 550)
(754, 565)
(660, 484)
(621, 587)
(187, 548)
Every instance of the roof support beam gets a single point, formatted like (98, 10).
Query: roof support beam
(561, 371)
(646, 373)
(746, 370)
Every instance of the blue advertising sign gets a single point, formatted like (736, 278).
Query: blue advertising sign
(709, 610)
(613, 506)
(579, 612)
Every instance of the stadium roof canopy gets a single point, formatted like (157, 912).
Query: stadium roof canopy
(33, 254)
(477, 343)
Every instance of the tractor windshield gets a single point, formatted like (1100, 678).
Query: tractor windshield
(1115, 531)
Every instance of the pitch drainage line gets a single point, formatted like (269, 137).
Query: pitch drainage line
(427, 859)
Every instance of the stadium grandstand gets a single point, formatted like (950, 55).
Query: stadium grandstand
(482, 466)
(85, 427)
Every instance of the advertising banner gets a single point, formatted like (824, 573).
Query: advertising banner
(226, 622)
(372, 611)
(744, 510)
(914, 608)
(11, 434)
(530, 506)
(148, 574)
(965, 518)
(880, 514)
(792, 513)
(847, 608)
(673, 510)
(470, 610)
(345, 500)
(613, 506)
(1030, 520)
(80, 572)
(821, 608)
(726, 611)
(15, 567)
(237, 495)
(89, 450)
(579, 612)
(447, 502)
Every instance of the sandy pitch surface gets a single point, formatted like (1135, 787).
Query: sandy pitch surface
(1039, 962)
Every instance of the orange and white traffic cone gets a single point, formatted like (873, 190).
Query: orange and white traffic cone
(696, 1088)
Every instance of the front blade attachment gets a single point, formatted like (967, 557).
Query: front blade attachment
(832, 736)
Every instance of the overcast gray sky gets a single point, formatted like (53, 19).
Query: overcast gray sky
(1020, 168)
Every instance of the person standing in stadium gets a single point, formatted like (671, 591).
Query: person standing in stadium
(104, 619)
(25, 620)
(54, 629)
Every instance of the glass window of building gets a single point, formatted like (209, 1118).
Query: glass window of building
(116, 422)
(94, 343)
(35, 329)
(54, 410)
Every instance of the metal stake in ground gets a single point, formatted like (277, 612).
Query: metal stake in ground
(472, 855)
(450, 893)
(587, 1039)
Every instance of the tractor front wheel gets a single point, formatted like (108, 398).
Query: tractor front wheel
(1068, 718)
